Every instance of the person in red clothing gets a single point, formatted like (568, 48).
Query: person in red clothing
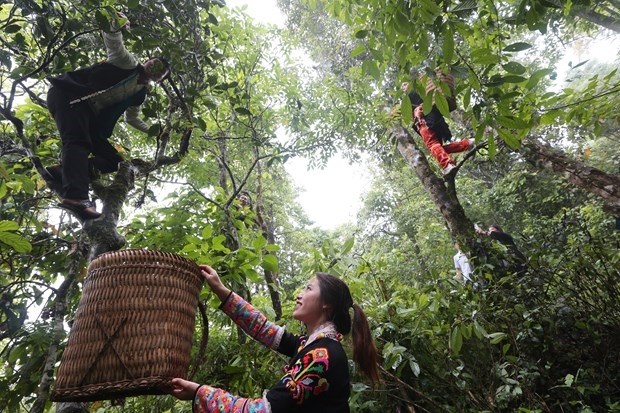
(317, 376)
(432, 127)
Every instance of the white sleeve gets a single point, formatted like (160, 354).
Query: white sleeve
(132, 117)
(456, 262)
(118, 55)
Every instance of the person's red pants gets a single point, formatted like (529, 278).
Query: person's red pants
(433, 142)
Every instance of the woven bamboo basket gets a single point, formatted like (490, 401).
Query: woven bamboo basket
(133, 328)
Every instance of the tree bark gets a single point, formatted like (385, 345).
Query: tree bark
(442, 192)
(602, 184)
(607, 22)
(59, 311)
(266, 226)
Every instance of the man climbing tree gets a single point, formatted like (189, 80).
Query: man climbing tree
(432, 127)
(86, 104)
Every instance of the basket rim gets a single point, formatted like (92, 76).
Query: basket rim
(111, 390)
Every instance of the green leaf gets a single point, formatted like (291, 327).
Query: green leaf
(348, 244)
(510, 138)
(517, 47)
(422, 300)
(370, 67)
(360, 34)
(415, 367)
(427, 106)
(442, 104)
(102, 21)
(549, 118)
(18, 243)
(514, 67)
(272, 248)
(536, 77)
(270, 263)
(217, 244)
(243, 111)
(406, 111)
(513, 79)
(456, 340)
(512, 122)
(496, 338)
(9, 226)
(252, 275)
(484, 57)
(13, 28)
(479, 331)
(404, 312)
(259, 243)
(207, 232)
(359, 387)
(496, 80)
(153, 130)
(466, 331)
(358, 50)
(492, 148)
(213, 19)
(448, 46)
(403, 24)
(132, 4)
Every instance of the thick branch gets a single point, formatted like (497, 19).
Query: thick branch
(59, 310)
(593, 17)
(602, 184)
(443, 194)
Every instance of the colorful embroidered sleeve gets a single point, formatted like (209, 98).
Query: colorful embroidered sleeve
(252, 321)
(213, 400)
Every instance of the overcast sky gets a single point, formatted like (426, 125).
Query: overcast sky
(331, 196)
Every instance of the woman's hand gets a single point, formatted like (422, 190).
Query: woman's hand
(182, 389)
(214, 282)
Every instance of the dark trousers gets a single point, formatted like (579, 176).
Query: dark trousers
(79, 132)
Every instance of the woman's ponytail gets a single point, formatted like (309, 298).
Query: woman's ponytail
(364, 349)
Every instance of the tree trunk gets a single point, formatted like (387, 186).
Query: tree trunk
(267, 228)
(603, 185)
(232, 238)
(442, 192)
(59, 310)
(592, 16)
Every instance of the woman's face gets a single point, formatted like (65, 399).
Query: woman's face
(309, 308)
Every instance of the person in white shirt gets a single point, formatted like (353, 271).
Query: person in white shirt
(461, 264)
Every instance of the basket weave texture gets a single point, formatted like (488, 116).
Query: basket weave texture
(133, 328)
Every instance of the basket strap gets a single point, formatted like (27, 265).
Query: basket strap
(200, 356)
(109, 342)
